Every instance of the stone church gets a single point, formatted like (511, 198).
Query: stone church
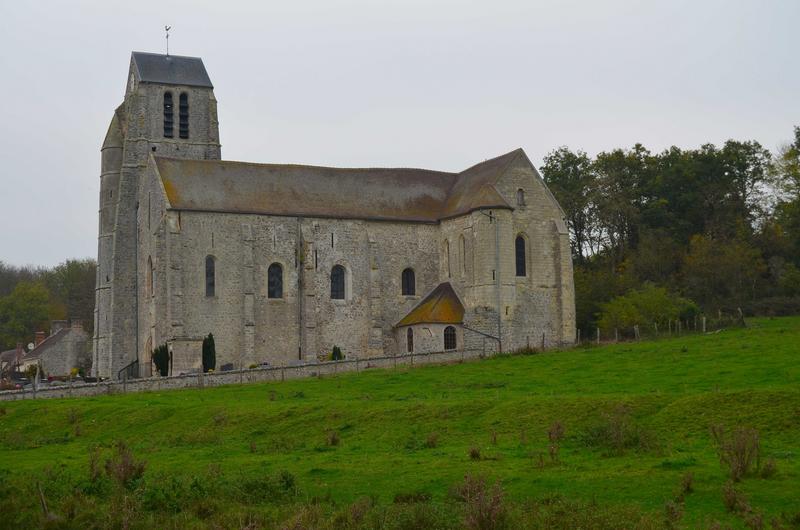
(282, 262)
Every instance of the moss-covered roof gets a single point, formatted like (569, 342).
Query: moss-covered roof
(441, 306)
(401, 194)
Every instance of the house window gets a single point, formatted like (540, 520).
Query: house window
(275, 281)
(520, 197)
(183, 115)
(449, 338)
(168, 114)
(409, 286)
(519, 249)
(410, 340)
(337, 282)
(211, 278)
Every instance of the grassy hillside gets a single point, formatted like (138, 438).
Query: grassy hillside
(636, 420)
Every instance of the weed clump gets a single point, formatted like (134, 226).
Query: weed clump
(412, 497)
(220, 418)
(769, 469)
(432, 440)
(555, 434)
(123, 468)
(332, 438)
(733, 499)
(484, 508)
(617, 432)
(739, 451)
(474, 453)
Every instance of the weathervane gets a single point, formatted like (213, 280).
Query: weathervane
(167, 28)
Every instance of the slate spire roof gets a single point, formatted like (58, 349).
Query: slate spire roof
(171, 69)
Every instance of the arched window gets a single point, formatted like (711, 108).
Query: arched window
(520, 197)
(168, 114)
(447, 256)
(149, 282)
(275, 281)
(463, 254)
(337, 282)
(519, 250)
(409, 282)
(410, 340)
(449, 338)
(211, 276)
(183, 115)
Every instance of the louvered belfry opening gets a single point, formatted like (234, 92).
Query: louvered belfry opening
(168, 115)
(183, 115)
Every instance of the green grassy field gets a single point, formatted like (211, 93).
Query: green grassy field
(666, 394)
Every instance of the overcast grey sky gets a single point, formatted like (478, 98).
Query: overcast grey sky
(437, 84)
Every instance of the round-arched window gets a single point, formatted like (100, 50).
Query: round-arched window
(449, 338)
(409, 282)
(275, 281)
(337, 282)
(519, 255)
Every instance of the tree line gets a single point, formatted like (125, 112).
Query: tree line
(713, 229)
(30, 297)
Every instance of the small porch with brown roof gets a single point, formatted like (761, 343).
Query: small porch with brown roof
(435, 324)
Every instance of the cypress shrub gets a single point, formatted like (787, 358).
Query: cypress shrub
(161, 359)
(209, 354)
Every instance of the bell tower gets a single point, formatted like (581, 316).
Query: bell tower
(169, 110)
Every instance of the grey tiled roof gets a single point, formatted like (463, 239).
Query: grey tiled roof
(171, 69)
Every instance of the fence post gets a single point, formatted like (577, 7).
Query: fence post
(704, 323)
(616, 335)
(598, 336)
(655, 326)
(125, 382)
(579, 336)
(542, 340)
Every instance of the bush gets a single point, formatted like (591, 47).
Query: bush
(483, 504)
(739, 451)
(123, 468)
(266, 488)
(161, 358)
(734, 500)
(209, 354)
(776, 306)
(643, 307)
(617, 432)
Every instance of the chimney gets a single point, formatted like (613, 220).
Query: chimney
(39, 337)
(77, 324)
(57, 325)
(20, 353)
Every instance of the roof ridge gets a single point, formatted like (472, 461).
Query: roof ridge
(166, 55)
(513, 151)
(45, 341)
(310, 166)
